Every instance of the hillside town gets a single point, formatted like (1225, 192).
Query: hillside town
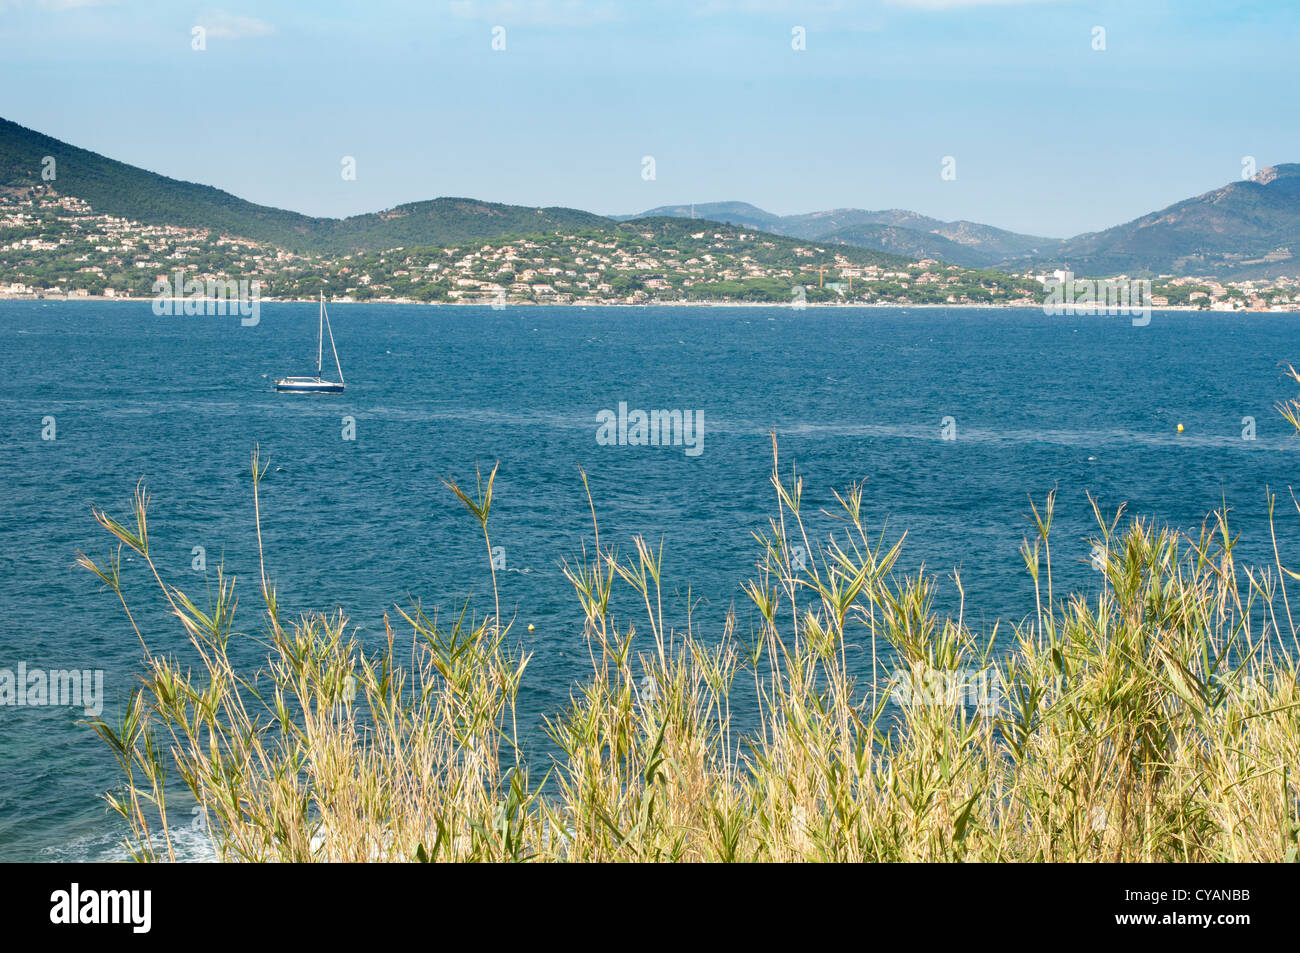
(57, 246)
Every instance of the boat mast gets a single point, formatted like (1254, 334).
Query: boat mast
(330, 331)
(320, 335)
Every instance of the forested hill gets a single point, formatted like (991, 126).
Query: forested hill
(116, 188)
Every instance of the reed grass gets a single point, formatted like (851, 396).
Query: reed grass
(1156, 720)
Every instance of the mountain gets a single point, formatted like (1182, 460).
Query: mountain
(115, 188)
(99, 227)
(1246, 229)
(730, 213)
(897, 231)
(449, 221)
(817, 224)
(907, 241)
(1002, 245)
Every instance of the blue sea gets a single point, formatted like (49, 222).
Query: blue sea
(1086, 405)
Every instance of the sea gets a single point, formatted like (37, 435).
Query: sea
(954, 420)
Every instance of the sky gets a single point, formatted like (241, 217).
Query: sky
(1047, 133)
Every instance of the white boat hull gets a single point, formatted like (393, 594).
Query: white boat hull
(309, 385)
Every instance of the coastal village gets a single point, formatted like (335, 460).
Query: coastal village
(57, 246)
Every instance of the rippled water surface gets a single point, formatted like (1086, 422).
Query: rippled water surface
(1086, 405)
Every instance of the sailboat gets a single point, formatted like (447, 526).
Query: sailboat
(317, 384)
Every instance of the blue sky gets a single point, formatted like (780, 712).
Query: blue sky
(1049, 135)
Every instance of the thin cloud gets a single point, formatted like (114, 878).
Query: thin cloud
(957, 4)
(535, 12)
(772, 7)
(54, 4)
(231, 26)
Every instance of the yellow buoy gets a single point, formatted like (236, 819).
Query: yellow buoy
(1180, 428)
(531, 627)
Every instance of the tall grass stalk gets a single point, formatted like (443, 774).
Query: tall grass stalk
(1157, 719)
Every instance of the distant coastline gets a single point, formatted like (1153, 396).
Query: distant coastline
(823, 305)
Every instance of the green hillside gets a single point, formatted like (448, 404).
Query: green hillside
(115, 188)
(667, 232)
(897, 231)
(908, 242)
(448, 221)
(1244, 229)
